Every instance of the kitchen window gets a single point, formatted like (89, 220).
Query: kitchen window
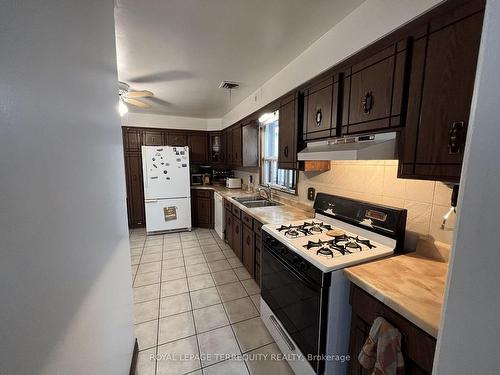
(281, 179)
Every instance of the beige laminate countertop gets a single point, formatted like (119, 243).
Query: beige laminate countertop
(266, 215)
(410, 284)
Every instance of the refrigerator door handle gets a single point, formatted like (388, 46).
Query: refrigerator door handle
(151, 200)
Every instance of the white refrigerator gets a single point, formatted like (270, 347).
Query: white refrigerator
(167, 194)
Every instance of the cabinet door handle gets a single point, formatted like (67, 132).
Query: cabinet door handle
(367, 102)
(285, 151)
(319, 117)
(456, 137)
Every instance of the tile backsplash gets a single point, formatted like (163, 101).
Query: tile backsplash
(376, 181)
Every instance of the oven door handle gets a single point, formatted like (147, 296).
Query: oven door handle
(284, 336)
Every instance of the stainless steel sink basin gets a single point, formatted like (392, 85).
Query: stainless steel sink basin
(255, 201)
(249, 198)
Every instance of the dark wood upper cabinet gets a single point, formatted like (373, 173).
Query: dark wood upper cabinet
(287, 132)
(153, 138)
(132, 139)
(198, 148)
(236, 145)
(135, 190)
(320, 109)
(177, 139)
(228, 136)
(441, 86)
(374, 91)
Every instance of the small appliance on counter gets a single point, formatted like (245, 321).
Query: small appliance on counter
(196, 179)
(198, 173)
(206, 179)
(233, 183)
(219, 176)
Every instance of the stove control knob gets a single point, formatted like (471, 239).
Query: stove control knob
(303, 266)
(295, 260)
(283, 250)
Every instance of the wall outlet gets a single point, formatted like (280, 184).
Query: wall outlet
(311, 193)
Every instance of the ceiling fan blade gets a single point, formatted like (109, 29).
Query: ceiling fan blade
(136, 102)
(138, 94)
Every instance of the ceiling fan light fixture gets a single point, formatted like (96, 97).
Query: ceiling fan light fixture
(122, 108)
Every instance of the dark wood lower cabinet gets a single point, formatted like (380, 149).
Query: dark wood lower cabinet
(417, 346)
(248, 250)
(237, 237)
(228, 228)
(202, 208)
(243, 235)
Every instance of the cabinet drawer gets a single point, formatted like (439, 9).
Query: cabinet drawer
(416, 345)
(236, 211)
(203, 193)
(227, 205)
(247, 220)
(257, 227)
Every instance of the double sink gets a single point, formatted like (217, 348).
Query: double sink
(253, 201)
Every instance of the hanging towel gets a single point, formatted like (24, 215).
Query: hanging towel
(382, 349)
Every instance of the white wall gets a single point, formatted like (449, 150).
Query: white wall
(468, 342)
(152, 120)
(65, 279)
(370, 21)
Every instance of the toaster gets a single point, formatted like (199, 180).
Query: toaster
(233, 183)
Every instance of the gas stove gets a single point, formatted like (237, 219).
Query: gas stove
(343, 232)
(304, 292)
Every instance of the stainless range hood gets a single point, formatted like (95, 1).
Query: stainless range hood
(364, 147)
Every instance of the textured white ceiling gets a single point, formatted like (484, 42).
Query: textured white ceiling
(182, 49)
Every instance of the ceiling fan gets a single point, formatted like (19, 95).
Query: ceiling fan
(131, 97)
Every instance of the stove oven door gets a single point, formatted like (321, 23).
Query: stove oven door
(298, 302)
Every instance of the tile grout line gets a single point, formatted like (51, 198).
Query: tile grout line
(230, 324)
(191, 303)
(159, 305)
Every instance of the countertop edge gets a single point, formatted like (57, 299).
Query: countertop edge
(393, 304)
(247, 210)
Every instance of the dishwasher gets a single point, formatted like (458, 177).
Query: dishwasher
(219, 214)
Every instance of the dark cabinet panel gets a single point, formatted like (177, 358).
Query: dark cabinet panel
(441, 87)
(248, 250)
(237, 237)
(228, 228)
(153, 138)
(318, 110)
(202, 211)
(177, 139)
(236, 145)
(373, 91)
(417, 346)
(198, 148)
(132, 139)
(288, 131)
(228, 135)
(135, 190)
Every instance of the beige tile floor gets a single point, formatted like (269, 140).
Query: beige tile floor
(196, 308)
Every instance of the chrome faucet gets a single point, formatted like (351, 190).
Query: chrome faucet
(266, 189)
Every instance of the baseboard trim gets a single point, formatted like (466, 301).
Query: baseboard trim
(135, 354)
